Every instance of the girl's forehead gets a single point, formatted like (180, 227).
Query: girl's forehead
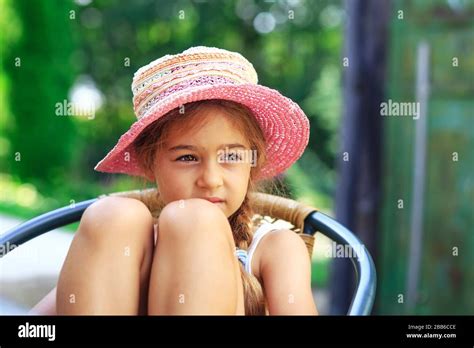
(211, 126)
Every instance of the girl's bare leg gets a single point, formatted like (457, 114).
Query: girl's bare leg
(107, 268)
(194, 269)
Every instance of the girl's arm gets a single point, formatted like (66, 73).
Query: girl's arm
(285, 270)
(47, 306)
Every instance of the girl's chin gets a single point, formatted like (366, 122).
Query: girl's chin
(223, 207)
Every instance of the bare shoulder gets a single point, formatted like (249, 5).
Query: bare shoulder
(275, 244)
(282, 241)
(116, 210)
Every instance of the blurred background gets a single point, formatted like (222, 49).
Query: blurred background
(401, 179)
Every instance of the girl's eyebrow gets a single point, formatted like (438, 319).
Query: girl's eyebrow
(195, 148)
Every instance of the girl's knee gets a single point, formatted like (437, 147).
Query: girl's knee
(115, 218)
(194, 220)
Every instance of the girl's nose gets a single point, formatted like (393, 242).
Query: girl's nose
(210, 176)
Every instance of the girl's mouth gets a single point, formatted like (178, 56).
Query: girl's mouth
(214, 199)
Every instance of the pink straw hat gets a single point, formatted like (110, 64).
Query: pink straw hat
(201, 73)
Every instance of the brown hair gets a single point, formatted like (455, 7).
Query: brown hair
(152, 138)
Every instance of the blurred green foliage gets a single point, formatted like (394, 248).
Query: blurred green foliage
(39, 73)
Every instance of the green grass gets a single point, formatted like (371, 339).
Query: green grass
(26, 201)
(17, 211)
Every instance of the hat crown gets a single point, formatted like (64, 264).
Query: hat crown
(195, 67)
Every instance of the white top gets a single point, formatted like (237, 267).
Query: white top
(265, 228)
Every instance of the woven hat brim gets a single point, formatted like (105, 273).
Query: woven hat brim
(284, 125)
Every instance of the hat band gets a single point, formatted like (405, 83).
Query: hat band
(178, 68)
(186, 85)
(188, 74)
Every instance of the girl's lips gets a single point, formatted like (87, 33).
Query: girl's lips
(214, 200)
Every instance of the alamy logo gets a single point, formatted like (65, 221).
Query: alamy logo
(6, 248)
(32, 331)
(66, 108)
(393, 108)
(237, 156)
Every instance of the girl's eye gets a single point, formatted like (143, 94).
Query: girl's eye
(185, 158)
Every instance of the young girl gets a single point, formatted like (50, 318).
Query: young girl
(207, 134)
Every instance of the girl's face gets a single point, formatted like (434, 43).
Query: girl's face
(211, 161)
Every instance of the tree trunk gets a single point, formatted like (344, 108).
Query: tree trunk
(359, 164)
